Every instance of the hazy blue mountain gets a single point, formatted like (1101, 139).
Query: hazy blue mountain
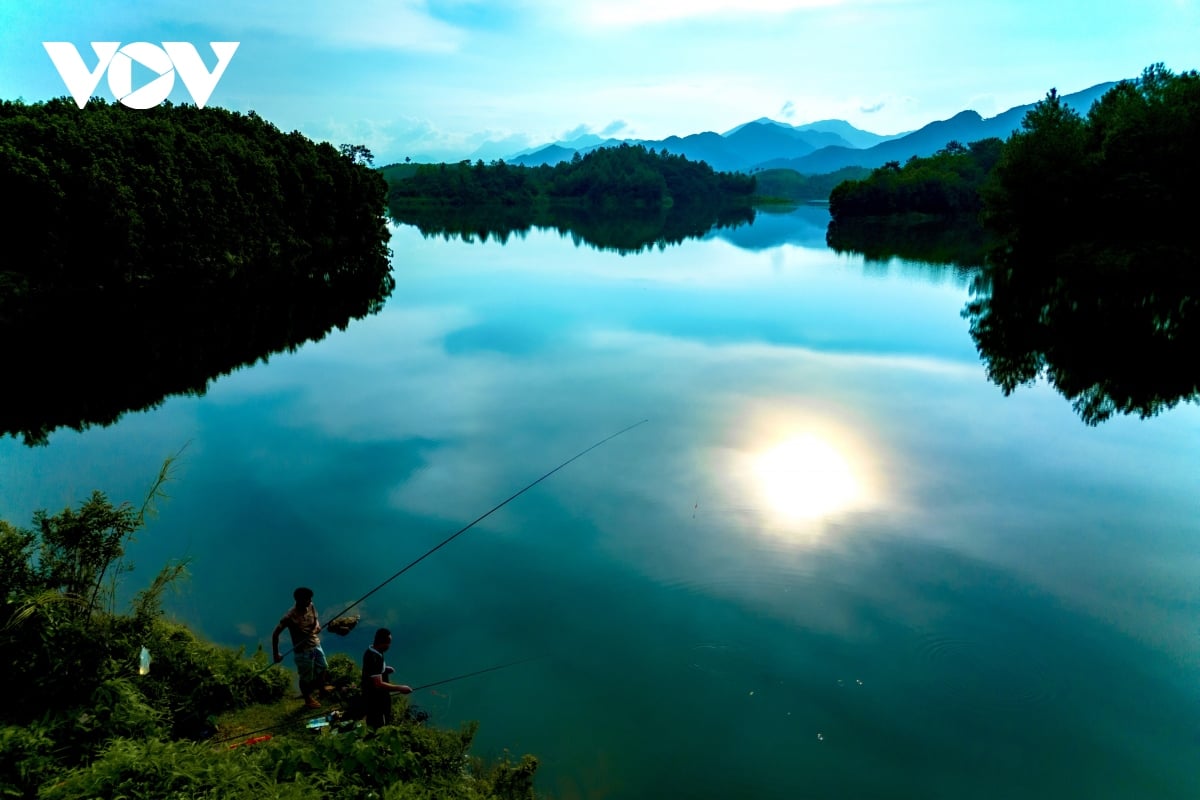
(708, 146)
(769, 137)
(1010, 120)
(851, 136)
(825, 133)
(771, 131)
(584, 141)
(741, 148)
(965, 127)
(814, 148)
(498, 148)
(588, 141)
(550, 154)
(523, 156)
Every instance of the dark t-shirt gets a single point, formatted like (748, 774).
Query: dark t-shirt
(372, 665)
(378, 701)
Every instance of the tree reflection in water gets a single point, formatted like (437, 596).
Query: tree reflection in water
(1114, 329)
(624, 231)
(85, 359)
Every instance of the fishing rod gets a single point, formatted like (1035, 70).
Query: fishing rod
(478, 672)
(470, 525)
(505, 665)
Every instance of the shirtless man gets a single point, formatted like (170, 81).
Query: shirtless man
(302, 622)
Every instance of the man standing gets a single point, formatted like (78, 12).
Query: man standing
(376, 690)
(304, 626)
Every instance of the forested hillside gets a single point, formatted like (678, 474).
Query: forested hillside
(1132, 157)
(947, 183)
(111, 197)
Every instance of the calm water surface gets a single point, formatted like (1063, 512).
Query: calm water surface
(836, 562)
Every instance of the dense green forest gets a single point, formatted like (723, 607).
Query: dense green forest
(948, 183)
(1129, 155)
(1124, 175)
(624, 177)
(179, 197)
(105, 702)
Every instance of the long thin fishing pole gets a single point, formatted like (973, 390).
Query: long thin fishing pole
(476, 672)
(481, 518)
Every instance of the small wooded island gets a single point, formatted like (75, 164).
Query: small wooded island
(625, 198)
(623, 177)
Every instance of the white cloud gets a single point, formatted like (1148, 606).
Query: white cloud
(384, 24)
(393, 140)
(637, 12)
(579, 130)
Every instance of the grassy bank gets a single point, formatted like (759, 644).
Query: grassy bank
(130, 704)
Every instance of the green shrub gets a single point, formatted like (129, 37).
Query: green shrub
(156, 769)
(26, 760)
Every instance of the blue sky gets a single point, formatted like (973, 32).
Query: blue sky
(435, 79)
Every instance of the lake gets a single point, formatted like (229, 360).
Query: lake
(835, 561)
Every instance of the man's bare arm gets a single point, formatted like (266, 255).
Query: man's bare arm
(275, 642)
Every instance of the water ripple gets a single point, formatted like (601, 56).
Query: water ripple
(986, 674)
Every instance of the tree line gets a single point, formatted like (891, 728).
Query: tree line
(948, 183)
(624, 231)
(176, 196)
(789, 186)
(627, 176)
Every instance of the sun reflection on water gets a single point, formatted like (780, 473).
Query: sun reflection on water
(803, 474)
(805, 477)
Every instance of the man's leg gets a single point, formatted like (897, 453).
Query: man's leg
(306, 662)
(376, 712)
(320, 679)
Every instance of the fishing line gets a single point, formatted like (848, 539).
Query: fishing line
(477, 672)
(476, 521)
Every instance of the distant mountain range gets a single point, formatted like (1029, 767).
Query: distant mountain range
(815, 148)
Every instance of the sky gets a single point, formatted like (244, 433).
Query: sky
(454, 79)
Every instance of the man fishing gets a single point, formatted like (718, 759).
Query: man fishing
(376, 690)
(304, 626)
